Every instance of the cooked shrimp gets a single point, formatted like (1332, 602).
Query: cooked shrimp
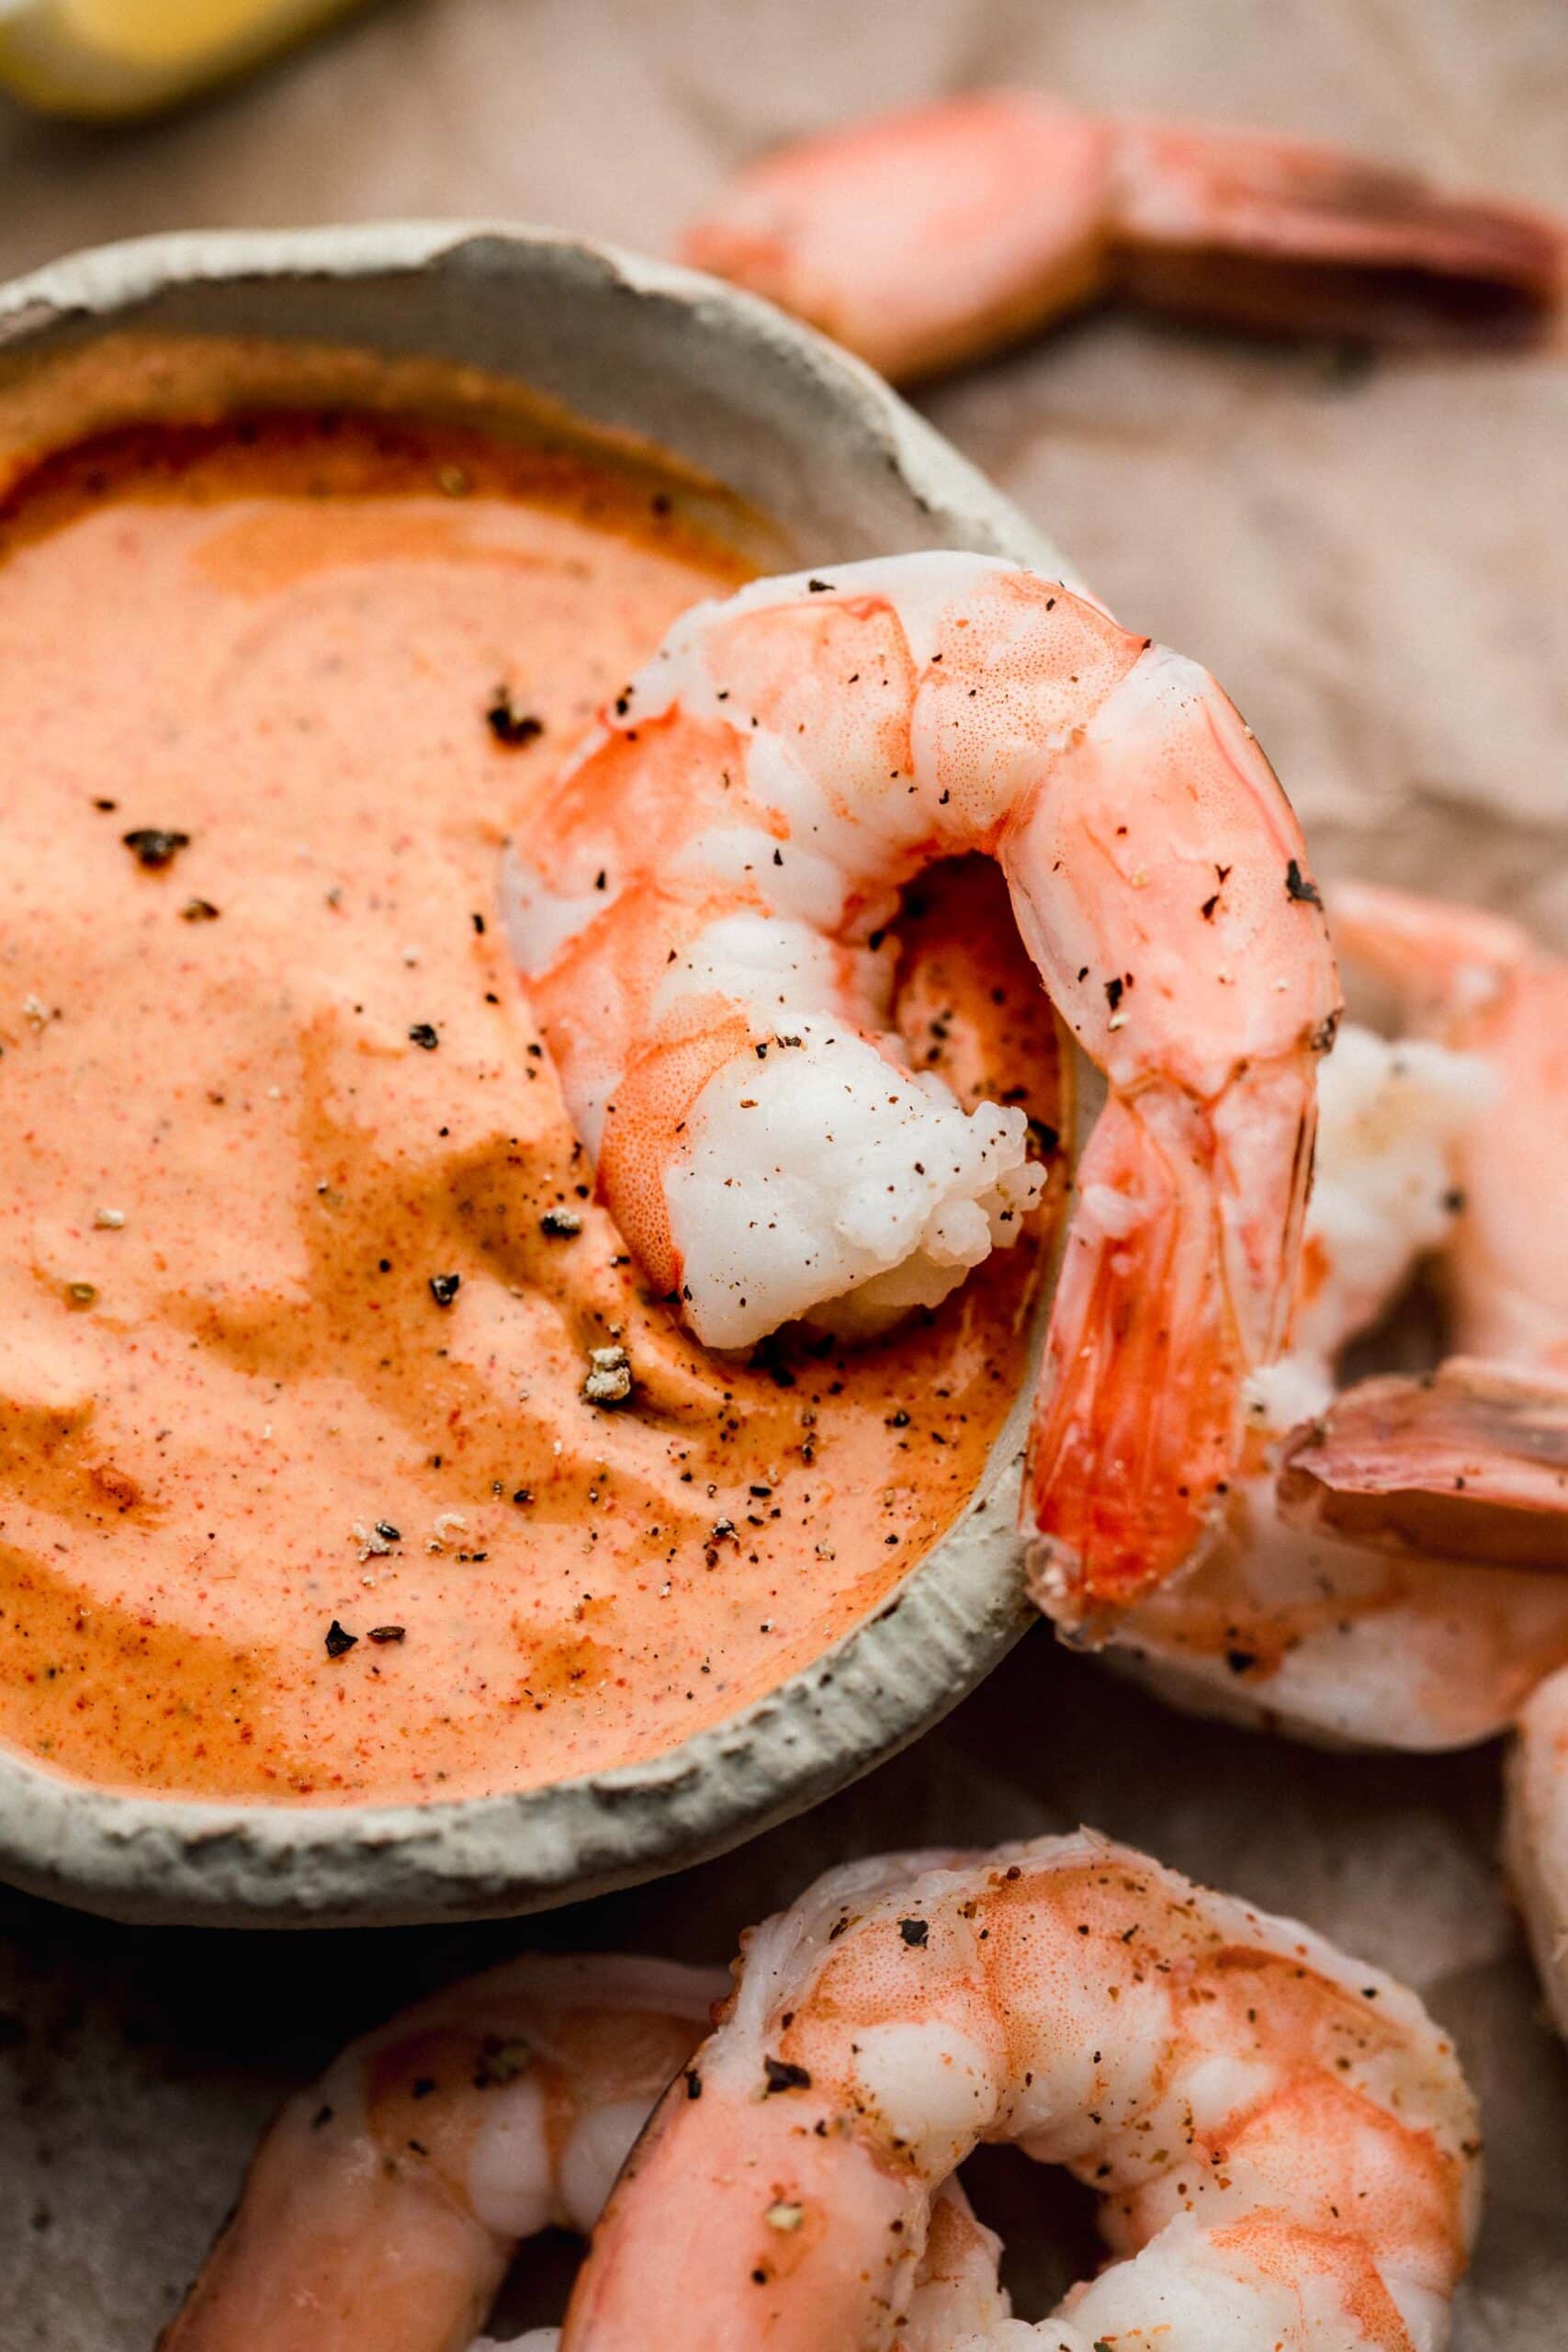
(700, 911)
(1484, 984)
(1477, 1459)
(1283, 2141)
(1481, 985)
(384, 2206)
(1369, 1616)
(1536, 1835)
(926, 239)
(1299, 1615)
(1472, 1462)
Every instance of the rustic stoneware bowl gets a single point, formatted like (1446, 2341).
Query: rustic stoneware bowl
(842, 468)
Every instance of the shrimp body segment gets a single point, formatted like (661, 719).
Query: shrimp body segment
(1282, 2139)
(928, 238)
(385, 2204)
(700, 912)
(1536, 1835)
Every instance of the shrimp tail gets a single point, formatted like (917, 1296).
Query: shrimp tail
(1280, 235)
(1472, 1464)
(1137, 1425)
(925, 238)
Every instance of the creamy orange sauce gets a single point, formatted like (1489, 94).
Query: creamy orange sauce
(269, 1085)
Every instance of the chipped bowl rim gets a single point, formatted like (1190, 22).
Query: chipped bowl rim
(730, 384)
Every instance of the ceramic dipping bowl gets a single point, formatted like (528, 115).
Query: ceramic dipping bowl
(839, 468)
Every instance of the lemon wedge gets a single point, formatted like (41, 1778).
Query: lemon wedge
(106, 59)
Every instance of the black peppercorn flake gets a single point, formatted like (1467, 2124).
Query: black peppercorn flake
(339, 1643)
(443, 1288)
(155, 846)
(423, 1033)
(510, 726)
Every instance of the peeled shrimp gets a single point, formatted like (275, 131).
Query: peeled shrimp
(700, 910)
(384, 2206)
(928, 238)
(1536, 1835)
(1301, 1614)
(1282, 2139)
(1476, 1461)
(1348, 1599)
(1483, 984)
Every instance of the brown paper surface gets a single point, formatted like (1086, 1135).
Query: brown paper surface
(1374, 562)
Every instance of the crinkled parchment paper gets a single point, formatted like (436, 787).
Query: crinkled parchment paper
(1372, 562)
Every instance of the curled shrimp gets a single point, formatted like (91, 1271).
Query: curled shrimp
(1282, 2139)
(1379, 1579)
(385, 2204)
(925, 238)
(1473, 1462)
(1311, 1613)
(700, 909)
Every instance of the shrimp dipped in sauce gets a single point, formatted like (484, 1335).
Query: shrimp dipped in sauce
(926, 239)
(383, 2206)
(700, 911)
(1282, 2139)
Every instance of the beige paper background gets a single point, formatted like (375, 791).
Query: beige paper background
(1374, 562)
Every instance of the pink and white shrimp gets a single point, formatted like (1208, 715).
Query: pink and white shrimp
(1303, 1614)
(1282, 2139)
(1380, 1578)
(925, 238)
(384, 2206)
(700, 908)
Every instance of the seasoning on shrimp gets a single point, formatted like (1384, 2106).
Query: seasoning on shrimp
(524, 2087)
(1373, 1583)
(995, 712)
(1282, 2144)
(155, 846)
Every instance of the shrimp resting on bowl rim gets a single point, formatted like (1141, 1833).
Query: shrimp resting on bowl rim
(1283, 2141)
(928, 238)
(700, 910)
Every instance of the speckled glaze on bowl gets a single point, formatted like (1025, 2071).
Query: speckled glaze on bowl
(842, 468)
